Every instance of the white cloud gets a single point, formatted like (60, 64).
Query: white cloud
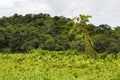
(6, 3)
(103, 11)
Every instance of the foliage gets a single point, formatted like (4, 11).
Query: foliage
(81, 33)
(58, 65)
(20, 33)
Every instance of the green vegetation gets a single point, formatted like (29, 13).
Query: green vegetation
(81, 29)
(24, 33)
(58, 65)
(41, 47)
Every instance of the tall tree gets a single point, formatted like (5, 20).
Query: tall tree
(80, 31)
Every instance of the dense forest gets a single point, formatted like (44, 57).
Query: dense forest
(20, 33)
(42, 47)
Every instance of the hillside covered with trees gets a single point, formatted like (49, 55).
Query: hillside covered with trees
(58, 48)
(20, 33)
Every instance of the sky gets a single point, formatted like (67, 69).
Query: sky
(102, 11)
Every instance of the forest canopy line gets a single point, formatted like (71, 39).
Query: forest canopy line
(20, 33)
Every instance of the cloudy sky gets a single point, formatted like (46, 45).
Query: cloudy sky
(102, 11)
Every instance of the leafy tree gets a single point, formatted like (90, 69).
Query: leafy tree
(20, 33)
(80, 30)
